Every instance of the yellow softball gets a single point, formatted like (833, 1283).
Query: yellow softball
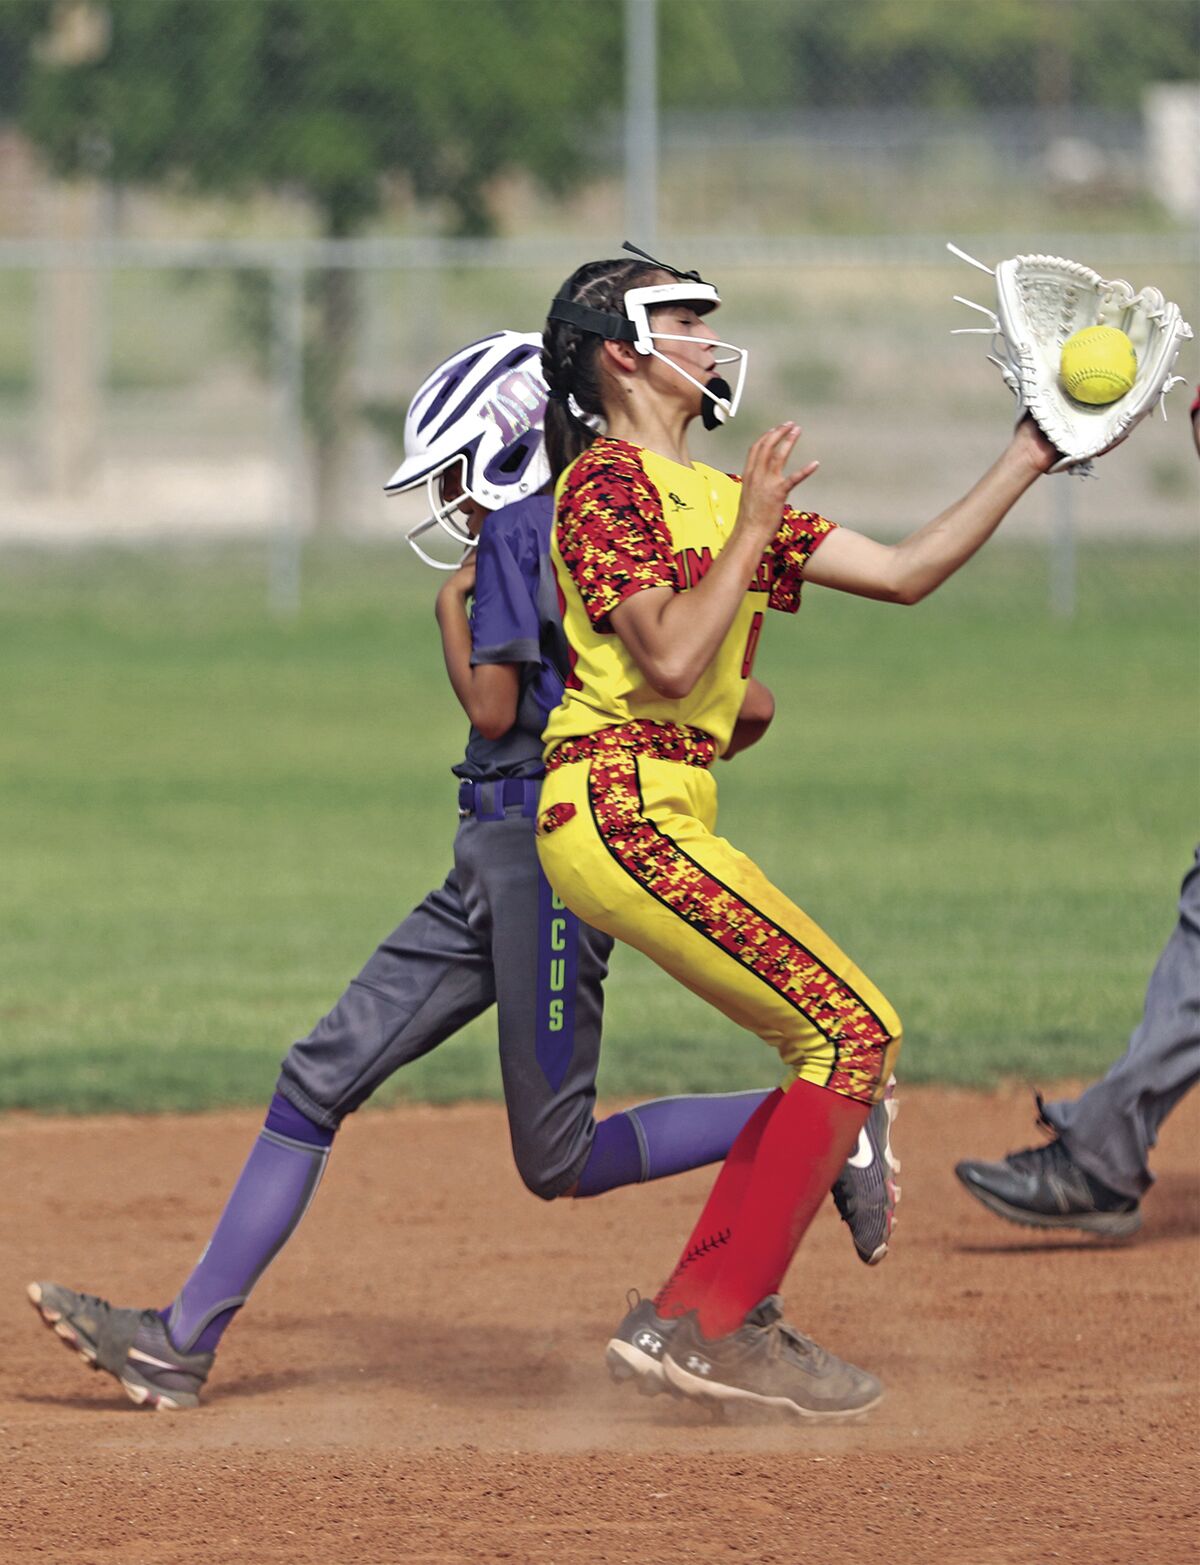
(1098, 365)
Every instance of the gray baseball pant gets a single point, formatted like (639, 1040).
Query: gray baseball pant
(1110, 1129)
(494, 932)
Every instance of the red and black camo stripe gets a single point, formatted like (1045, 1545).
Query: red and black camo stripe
(641, 736)
(771, 953)
(800, 533)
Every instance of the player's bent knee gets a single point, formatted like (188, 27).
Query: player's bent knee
(546, 1184)
(863, 1065)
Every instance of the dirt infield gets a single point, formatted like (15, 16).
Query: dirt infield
(419, 1376)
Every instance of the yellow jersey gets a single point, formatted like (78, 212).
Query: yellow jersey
(627, 519)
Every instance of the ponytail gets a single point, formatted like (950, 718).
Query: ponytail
(566, 435)
(575, 408)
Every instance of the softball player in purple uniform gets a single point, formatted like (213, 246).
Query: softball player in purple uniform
(493, 933)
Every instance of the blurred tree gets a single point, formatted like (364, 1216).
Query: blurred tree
(326, 97)
(953, 53)
(344, 102)
(20, 22)
(335, 101)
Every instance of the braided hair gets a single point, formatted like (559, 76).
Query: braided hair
(569, 356)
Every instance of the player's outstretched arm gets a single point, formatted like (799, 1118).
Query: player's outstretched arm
(908, 571)
(490, 692)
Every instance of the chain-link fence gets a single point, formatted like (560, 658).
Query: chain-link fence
(178, 397)
(228, 252)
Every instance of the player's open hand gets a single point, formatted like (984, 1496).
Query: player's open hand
(767, 480)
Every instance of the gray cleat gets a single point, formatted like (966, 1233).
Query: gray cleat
(866, 1192)
(635, 1350)
(768, 1365)
(131, 1345)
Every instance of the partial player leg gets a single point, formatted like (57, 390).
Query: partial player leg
(1110, 1129)
(638, 1346)
(430, 977)
(800, 1152)
(629, 843)
(1093, 1175)
(706, 1243)
(424, 982)
(550, 971)
(272, 1193)
(665, 1136)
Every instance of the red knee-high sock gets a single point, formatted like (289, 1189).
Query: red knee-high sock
(801, 1152)
(686, 1285)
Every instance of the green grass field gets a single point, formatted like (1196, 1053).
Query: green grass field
(208, 820)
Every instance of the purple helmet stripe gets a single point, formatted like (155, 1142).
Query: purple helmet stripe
(443, 389)
(447, 389)
(509, 363)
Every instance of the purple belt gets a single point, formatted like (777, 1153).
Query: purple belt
(491, 801)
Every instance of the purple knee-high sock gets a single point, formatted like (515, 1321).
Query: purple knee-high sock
(272, 1194)
(667, 1136)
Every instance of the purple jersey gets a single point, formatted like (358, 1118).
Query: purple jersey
(515, 619)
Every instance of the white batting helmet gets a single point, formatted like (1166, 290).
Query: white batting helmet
(481, 412)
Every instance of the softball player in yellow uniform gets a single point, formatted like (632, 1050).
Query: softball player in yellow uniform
(665, 568)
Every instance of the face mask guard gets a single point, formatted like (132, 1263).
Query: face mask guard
(445, 514)
(722, 403)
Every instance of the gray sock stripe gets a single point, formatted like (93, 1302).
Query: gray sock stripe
(292, 1144)
(209, 1316)
(701, 1097)
(643, 1148)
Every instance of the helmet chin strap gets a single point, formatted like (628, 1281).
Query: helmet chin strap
(714, 413)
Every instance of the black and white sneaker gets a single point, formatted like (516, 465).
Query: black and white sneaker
(866, 1192)
(636, 1349)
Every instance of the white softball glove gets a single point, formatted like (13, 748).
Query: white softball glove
(1041, 300)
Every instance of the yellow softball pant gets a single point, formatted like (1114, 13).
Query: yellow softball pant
(628, 843)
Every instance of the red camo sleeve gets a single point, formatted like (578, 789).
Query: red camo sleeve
(800, 534)
(610, 530)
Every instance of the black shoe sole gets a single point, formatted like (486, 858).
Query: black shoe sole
(1109, 1225)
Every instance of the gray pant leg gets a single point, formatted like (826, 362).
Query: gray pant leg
(549, 971)
(1110, 1129)
(430, 977)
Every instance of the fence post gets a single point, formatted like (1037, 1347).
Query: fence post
(641, 121)
(71, 302)
(287, 537)
(1062, 547)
